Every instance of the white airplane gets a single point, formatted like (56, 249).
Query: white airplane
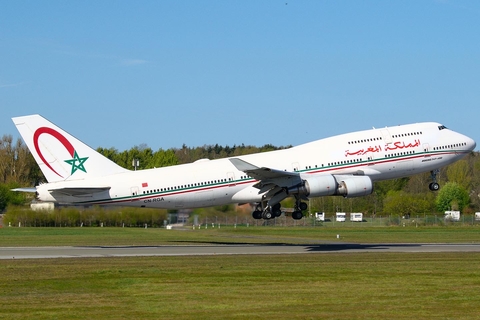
(345, 165)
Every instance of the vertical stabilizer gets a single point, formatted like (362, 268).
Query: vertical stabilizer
(60, 155)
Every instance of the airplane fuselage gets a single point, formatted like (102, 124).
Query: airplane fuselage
(378, 154)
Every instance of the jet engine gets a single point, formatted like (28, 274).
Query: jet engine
(328, 185)
(354, 186)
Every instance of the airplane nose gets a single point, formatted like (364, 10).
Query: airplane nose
(471, 144)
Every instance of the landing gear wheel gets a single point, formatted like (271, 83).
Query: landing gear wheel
(276, 210)
(434, 186)
(302, 206)
(257, 214)
(267, 215)
(297, 215)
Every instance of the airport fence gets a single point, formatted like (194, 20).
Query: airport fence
(134, 217)
(307, 221)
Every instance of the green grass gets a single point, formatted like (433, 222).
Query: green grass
(16, 237)
(310, 286)
(305, 286)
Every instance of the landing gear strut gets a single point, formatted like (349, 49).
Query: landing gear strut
(434, 186)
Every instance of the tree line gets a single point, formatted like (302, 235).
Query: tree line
(148, 158)
(460, 182)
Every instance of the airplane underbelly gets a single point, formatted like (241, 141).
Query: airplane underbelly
(204, 198)
(391, 170)
(200, 199)
(405, 167)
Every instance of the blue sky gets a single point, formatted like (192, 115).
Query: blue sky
(164, 73)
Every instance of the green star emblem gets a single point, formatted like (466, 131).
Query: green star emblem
(77, 163)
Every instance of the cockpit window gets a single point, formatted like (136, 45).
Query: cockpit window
(441, 127)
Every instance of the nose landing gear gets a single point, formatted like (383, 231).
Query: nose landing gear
(434, 186)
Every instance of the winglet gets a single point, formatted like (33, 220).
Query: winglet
(243, 165)
(266, 174)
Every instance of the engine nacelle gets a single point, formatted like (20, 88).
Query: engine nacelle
(329, 185)
(354, 186)
(319, 186)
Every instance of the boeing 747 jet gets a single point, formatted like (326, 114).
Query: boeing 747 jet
(343, 165)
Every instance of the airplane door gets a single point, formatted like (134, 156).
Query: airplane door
(133, 193)
(426, 149)
(387, 138)
(231, 179)
(370, 157)
(295, 166)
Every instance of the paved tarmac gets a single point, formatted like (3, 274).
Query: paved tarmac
(137, 251)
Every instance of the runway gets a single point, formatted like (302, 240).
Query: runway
(186, 250)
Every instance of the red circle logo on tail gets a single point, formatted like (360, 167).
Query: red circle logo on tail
(57, 135)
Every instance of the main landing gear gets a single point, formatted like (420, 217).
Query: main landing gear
(299, 207)
(275, 211)
(267, 213)
(434, 186)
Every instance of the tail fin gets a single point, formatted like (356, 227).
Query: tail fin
(60, 155)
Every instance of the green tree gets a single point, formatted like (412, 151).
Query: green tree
(163, 158)
(15, 161)
(8, 197)
(3, 197)
(383, 187)
(452, 196)
(405, 204)
(474, 162)
(110, 153)
(461, 173)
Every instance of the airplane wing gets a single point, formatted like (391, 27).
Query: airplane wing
(261, 173)
(271, 180)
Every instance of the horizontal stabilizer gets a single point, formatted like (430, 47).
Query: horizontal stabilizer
(79, 191)
(25, 189)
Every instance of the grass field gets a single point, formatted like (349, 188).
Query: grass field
(309, 286)
(14, 237)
